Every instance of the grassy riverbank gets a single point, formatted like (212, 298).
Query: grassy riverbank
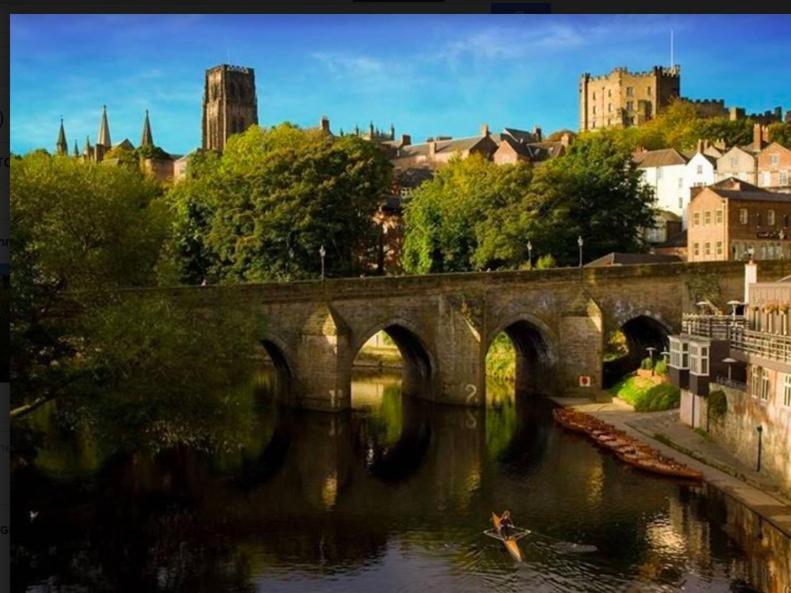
(647, 394)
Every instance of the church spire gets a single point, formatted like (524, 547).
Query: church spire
(147, 138)
(88, 148)
(76, 149)
(61, 145)
(104, 130)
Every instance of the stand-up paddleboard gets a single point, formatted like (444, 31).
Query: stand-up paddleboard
(509, 542)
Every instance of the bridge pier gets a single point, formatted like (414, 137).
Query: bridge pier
(581, 331)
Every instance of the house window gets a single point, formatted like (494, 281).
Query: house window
(700, 170)
(696, 249)
(719, 247)
(679, 353)
(758, 219)
(405, 192)
(707, 217)
(630, 91)
(770, 218)
(774, 160)
(696, 219)
(594, 112)
(594, 95)
(766, 178)
(783, 178)
(680, 182)
(698, 358)
(609, 92)
(630, 105)
(787, 391)
(756, 373)
(707, 248)
(785, 219)
(734, 162)
(765, 385)
(648, 91)
(609, 107)
(658, 173)
(719, 216)
(681, 203)
(743, 216)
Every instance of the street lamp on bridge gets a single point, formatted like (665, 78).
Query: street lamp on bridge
(580, 243)
(530, 254)
(322, 253)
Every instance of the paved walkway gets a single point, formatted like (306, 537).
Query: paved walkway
(664, 432)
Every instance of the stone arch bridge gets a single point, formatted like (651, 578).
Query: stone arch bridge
(443, 324)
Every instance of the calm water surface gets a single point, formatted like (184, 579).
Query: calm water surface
(391, 497)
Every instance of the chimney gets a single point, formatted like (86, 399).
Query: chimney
(539, 136)
(432, 148)
(758, 140)
(700, 145)
(705, 144)
(324, 124)
(565, 139)
(406, 139)
(485, 130)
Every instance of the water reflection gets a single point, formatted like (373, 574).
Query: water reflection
(391, 496)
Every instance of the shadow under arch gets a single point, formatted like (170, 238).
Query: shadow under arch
(283, 376)
(536, 353)
(419, 370)
(641, 332)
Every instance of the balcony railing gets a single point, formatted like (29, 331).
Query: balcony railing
(717, 327)
(764, 344)
(732, 383)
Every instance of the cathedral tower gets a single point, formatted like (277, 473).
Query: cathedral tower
(61, 146)
(229, 104)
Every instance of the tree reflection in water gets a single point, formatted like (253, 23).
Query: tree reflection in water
(310, 502)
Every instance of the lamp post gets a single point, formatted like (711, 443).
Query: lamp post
(530, 254)
(760, 430)
(580, 243)
(651, 351)
(322, 253)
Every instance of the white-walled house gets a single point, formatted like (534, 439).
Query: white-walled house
(700, 171)
(665, 171)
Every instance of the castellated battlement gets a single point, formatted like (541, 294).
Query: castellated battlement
(672, 72)
(231, 68)
(717, 102)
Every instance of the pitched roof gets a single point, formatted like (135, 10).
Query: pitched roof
(521, 136)
(757, 196)
(441, 146)
(677, 240)
(664, 157)
(734, 183)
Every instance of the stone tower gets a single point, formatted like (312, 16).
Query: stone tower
(229, 104)
(103, 142)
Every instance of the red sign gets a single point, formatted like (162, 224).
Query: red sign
(585, 381)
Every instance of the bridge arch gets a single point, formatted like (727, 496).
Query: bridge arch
(419, 363)
(536, 351)
(641, 331)
(276, 350)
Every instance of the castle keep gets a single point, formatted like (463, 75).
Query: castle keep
(622, 98)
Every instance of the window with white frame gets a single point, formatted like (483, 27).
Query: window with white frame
(698, 358)
(700, 170)
(679, 353)
(770, 217)
(774, 159)
(765, 385)
(787, 391)
(783, 178)
(766, 178)
(744, 216)
(755, 380)
(680, 182)
(719, 216)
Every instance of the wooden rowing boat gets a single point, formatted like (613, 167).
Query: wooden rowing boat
(510, 543)
(626, 448)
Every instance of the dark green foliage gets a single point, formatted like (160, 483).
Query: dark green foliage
(718, 404)
(647, 364)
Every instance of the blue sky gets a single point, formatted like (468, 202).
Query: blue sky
(428, 75)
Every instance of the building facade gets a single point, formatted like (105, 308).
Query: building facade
(774, 167)
(665, 172)
(734, 372)
(623, 98)
(733, 219)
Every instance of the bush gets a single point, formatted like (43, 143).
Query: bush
(661, 367)
(545, 262)
(647, 364)
(718, 404)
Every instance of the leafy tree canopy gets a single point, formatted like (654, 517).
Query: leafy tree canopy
(263, 208)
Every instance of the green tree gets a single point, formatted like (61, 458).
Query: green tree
(76, 226)
(262, 210)
(594, 191)
(781, 133)
(468, 217)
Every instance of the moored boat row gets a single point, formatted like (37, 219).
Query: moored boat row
(626, 448)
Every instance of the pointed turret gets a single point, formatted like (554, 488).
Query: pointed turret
(392, 132)
(76, 149)
(147, 139)
(104, 131)
(87, 150)
(61, 145)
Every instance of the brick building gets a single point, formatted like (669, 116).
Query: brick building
(774, 167)
(732, 217)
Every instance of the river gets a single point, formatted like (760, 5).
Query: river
(393, 496)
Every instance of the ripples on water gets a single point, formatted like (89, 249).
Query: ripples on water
(391, 497)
